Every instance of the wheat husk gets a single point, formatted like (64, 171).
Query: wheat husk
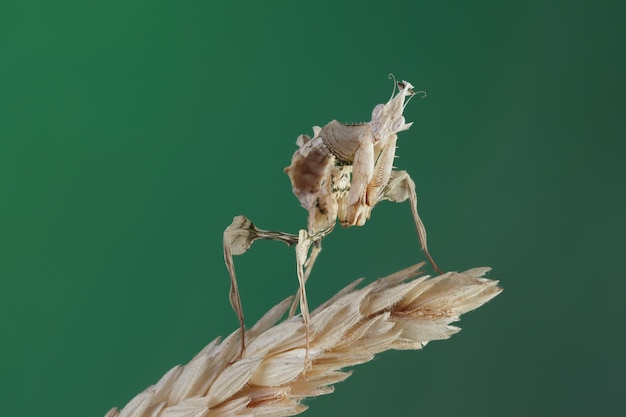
(272, 378)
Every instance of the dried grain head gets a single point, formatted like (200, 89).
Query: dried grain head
(272, 378)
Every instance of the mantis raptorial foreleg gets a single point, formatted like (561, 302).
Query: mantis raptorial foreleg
(363, 168)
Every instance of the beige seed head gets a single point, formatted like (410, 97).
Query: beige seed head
(272, 378)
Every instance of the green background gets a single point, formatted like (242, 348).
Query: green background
(132, 132)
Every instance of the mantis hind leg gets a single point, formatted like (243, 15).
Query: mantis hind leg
(238, 237)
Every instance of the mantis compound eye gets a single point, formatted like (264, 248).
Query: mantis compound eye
(403, 84)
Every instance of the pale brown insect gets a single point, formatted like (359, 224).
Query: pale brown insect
(340, 173)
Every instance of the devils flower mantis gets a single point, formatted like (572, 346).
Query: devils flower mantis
(340, 173)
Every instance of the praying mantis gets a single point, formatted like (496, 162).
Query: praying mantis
(338, 174)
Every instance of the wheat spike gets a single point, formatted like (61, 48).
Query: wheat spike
(399, 311)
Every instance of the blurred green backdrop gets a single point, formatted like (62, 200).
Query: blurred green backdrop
(132, 132)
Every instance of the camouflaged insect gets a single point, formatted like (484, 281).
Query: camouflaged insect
(340, 173)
